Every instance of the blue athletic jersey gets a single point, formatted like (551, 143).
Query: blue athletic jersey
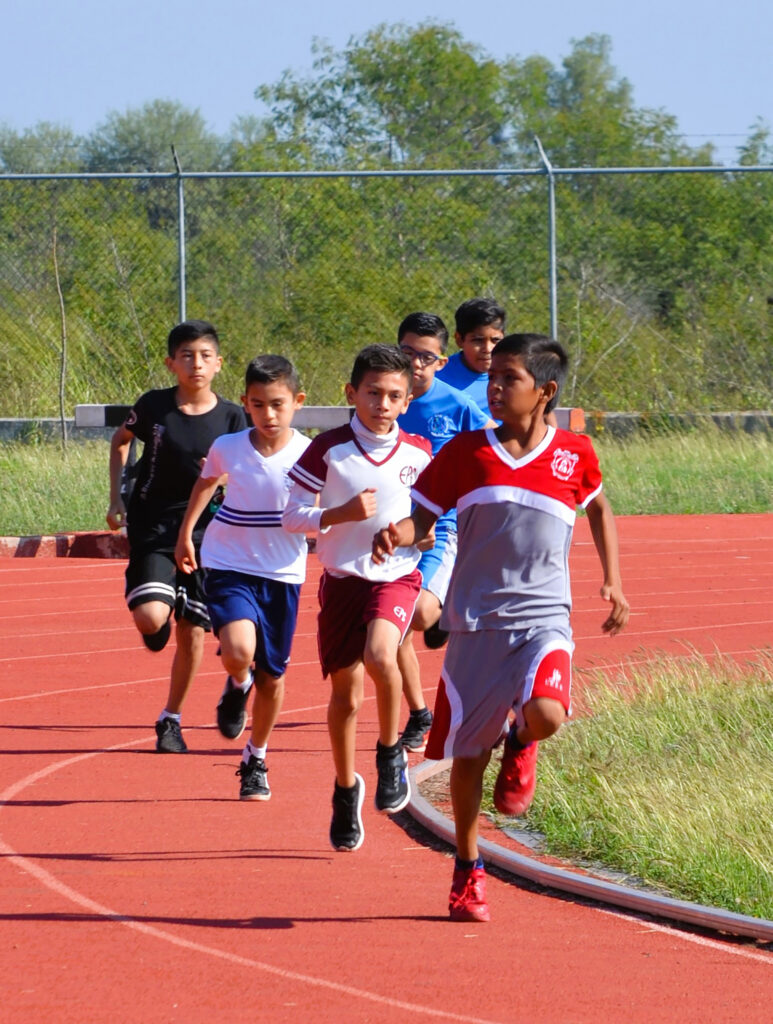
(472, 384)
(441, 413)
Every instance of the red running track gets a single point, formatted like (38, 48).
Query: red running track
(137, 887)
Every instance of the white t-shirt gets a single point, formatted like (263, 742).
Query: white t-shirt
(340, 464)
(246, 534)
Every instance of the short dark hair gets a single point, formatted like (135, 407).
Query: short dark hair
(543, 357)
(381, 359)
(427, 325)
(267, 369)
(478, 313)
(190, 330)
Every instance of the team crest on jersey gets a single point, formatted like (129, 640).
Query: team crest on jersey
(563, 463)
(440, 425)
(408, 475)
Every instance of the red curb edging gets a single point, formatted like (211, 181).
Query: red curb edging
(88, 544)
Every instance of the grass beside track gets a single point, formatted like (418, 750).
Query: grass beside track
(667, 779)
(47, 490)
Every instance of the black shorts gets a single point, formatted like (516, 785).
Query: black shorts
(152, 575)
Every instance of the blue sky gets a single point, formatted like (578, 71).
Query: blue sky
(708, 62)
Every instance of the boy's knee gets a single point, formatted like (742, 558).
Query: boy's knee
(150, 617)
(380, 661)
(544, 716)
(426, 613)
(236, 657)
(348, 703)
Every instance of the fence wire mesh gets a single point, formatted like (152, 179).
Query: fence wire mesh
(664, 280)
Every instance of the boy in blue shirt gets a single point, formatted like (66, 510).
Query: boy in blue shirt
(480, 324)
(438, 412)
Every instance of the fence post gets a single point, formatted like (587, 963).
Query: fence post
(552, 274)
(181, 306)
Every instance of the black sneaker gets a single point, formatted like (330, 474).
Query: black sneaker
(346, 831)
(169, 737)
(158, 641)
(414, 735)
(393, 790)
(254, 782)
(435, 637)
(232, 710)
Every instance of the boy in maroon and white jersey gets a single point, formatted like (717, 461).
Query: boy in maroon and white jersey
(515, 489)
(348, 480)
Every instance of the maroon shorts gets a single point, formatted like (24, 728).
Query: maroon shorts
(348, 603)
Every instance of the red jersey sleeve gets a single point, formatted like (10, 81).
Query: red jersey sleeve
(589, 477)
(437, 487)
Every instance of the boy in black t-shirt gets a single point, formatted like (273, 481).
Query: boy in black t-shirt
(177, 426)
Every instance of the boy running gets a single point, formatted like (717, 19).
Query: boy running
(253, 568)
(177, 426)
(480, 325)
(515, 489)
(438, 412)
(359, 473)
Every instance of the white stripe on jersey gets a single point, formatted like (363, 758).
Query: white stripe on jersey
(496, 493)
(308, 480)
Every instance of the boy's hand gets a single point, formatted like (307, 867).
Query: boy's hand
(116, 515)
(362, 506)
(618, 617)
(429, 541)
(384, 543)
(185, 555)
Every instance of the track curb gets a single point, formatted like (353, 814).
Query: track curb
(581, 884)
(87, 544)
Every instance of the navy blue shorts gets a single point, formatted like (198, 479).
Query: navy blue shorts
(271, 604)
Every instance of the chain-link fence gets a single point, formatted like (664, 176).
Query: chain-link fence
(659, 282)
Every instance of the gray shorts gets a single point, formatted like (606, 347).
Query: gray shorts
(487, 674)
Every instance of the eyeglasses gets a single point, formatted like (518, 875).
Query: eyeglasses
(423, 358)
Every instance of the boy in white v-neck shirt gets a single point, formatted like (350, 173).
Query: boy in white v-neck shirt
(253, 567)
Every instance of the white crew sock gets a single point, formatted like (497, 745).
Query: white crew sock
(251, 750)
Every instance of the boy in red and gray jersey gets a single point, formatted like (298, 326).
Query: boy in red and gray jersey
(515, 489)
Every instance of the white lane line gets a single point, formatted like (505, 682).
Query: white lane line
(79, 899)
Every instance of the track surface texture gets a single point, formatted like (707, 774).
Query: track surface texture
(137, 887)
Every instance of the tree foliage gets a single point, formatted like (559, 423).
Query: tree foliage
(664, 294)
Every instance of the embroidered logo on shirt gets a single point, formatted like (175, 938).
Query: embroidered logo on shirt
(563, 463)
(554, 681)
(408, 475)
(441, 425)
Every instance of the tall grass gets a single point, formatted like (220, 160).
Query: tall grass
(46, 490)
(668, 779)
(688, 473)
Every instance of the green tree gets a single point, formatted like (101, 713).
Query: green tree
(141, 139)
(45, 149)
(418, 97)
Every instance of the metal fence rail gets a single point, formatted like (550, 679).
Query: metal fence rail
(656, 278)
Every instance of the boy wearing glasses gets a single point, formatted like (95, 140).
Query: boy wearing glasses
(438, 412)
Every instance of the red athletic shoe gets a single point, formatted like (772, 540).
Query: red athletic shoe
(467, 901)
(517, 779)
